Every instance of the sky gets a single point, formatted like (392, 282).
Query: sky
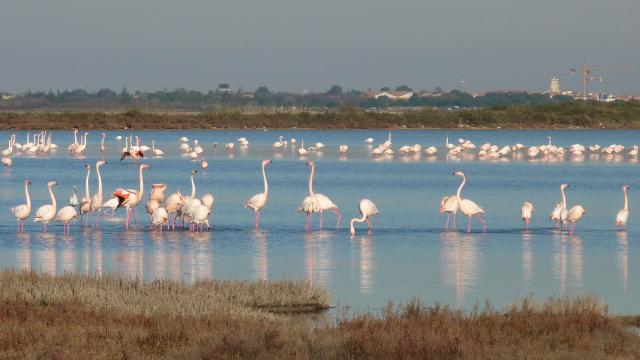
(305, 45)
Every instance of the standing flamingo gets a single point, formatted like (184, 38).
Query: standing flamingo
(572, 215)
(102, 148)
(526, 212)
(97, 199)
(191, 202)
(623, 214)
(174, 203)
(46, 213)
(320, 201)
(367, 210)
(85, 205)
(449, 205)
(130, 198)
(468, 207)
(258, 201)
(66, 215)
(21, 212)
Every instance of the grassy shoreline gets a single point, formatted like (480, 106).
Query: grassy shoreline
(74, 317)
(589, 115)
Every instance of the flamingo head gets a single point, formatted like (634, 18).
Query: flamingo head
(457, 173)
(87, 167)
(194, 172)
(266, 162)
(52, 183)
(310, 163)
(564, 186)
(625, 187)
(104, 135)
(100, 163)
(27, 182)
(144, 166)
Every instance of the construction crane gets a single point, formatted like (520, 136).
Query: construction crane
(587, 76)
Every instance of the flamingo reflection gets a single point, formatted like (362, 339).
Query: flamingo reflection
(260, 259)
(623, 259)
(459, 262)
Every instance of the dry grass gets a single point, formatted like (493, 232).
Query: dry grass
(86, 318)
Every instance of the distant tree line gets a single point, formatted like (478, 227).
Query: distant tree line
(334, 98)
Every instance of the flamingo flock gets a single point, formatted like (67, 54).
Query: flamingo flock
(194, 212)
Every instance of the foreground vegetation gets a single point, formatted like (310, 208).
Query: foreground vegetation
(75, 317)
(616, 115)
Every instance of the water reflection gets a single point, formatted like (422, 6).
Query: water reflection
(260, 258)
(365, 261)
(47, 253)
(318, 257)
(23, 258)
(623, 259)
(459, 259)
(564, 243)
(527, 259)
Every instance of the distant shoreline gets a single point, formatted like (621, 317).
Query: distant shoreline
(625, 115)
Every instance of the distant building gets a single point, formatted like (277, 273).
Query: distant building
(224, 89)
(392, 95)
(554, 86)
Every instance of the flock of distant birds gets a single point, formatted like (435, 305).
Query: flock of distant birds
(194, 212)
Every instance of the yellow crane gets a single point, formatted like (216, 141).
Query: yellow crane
(587, 75)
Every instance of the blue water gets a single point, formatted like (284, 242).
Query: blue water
(408, 254)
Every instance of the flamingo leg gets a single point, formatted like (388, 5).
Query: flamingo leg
(321, 219)
(455, 215)
(136, 216)
(45, 227)
(307, 225)
(446, 224)
(469, 224)
(572, 228)
(337, 212)
(369, 222)
(484, 223)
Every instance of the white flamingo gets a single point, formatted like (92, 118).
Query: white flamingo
(66, 215)
(468, 207)
(85, 204)
(21, 212)
(623, 214)
(279, 143)
(46, 213)
(130, 198)
(449, 205)
(367, 210)
(526, 212)
(323, 202)
(572, 215)
(97, 199)
(258, 201)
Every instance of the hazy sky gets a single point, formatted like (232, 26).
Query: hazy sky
(310, 45)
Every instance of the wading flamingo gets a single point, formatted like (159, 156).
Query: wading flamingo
(174, 203)
(623, 214)
(321, 201)
(526, 212)
(46, 213)
(468, 207)
(66, 215)
(449, 205)
(85, 205)
(191, 202)
(21, 212)
(367, 210)
(258, 201)
(102, 148)
(97, 199)
(130, 198)
(572, 215)
(73, 200)
(159, 217)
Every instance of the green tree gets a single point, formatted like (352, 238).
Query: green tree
(403, 88)
(336, 90)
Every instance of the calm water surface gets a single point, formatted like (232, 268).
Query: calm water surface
(408, 254)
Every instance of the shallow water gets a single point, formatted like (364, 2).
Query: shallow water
(408, 254)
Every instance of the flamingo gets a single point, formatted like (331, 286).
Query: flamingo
(159, 217)
(46, 213)
(102, 148)
(302, 151)
(258, 201)
(199, 217)
(97, 199)
(66, 215)
(156, 197)
(130, 198)
(324, 203)
(572, 215)
(7, 162)
(21, 212)
(368, 140)
(73, 200)
(204, 164)
(110, 204)
(367, 210)
(197, 148)
(174, 205)
(468, 207)
(191, 202)
(85, 205)
(623, 214)
(449, 205)
(279, 143)
(526, 212)
(563, 206)
(156, 152)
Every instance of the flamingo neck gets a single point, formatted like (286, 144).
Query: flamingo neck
(564, 198)
(102, 142)
(153, 144)
(193, 187)
(99, 180)
(26, 193)
(141, 183)
(86, 185)
(626, 200)
(313, 170)
(53, 198)
(549, 144)
(75, 137)
(264, 177)
(464, 180)
(362, 219)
